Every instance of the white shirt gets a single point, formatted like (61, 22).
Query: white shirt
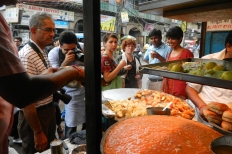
(209, 93)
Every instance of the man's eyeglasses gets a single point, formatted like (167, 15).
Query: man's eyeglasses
(49, 30)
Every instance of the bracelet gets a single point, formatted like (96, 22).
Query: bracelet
(201, 106)
(38, 132)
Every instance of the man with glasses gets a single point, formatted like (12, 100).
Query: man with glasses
(156, 53)
(65, 56)
(37, 123)
(17, 87)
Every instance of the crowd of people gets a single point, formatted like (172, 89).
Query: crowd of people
(156, 52)
(45, 64)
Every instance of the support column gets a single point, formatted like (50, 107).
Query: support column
(92, 45)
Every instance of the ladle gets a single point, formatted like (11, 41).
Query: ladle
(167, 106)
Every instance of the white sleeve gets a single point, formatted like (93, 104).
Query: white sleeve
(195, 86)
(53, 57)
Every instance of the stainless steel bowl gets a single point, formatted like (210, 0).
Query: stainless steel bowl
(224, 142)
(158, 111)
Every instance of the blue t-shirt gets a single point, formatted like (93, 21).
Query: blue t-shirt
(163, 50)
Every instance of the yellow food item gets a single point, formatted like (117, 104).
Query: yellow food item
(200, 73)
(177, 68)
(218, 68)
(170, 66)
(227, 75)
(210, 65)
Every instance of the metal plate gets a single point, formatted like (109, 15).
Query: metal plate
(123, 94)
(115, 94)
(220, 129)
(212, 125)
(147, 69)
(119, 94)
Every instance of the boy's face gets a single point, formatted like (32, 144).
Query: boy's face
(155, 40)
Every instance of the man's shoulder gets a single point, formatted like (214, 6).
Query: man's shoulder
(218, 55)
(166, 46)
(26, 50)
(54, 51)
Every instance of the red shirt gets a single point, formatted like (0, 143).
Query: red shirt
(176, 87)
(107, 64)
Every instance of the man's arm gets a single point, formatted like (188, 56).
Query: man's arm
(69, 57)
(154, 54)
(21, 89)
(40, 139)
(194, 97)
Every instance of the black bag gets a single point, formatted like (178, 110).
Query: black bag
(78, 137)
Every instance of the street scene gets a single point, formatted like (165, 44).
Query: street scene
(165, 70)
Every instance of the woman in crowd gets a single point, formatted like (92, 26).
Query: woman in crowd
(110, 68)
(131, 70)
(171, 86)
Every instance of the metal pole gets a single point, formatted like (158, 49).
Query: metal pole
(91, 16)
(119, 25)
(118, 18)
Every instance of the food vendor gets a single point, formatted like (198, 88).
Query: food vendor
(201, 95)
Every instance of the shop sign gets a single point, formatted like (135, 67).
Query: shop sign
(61, 24)
(107, 23)
(224, 25)
(60, 15)
(124, 17)
(11, 15)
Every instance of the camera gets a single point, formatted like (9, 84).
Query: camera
(60, 95)
(79, 54)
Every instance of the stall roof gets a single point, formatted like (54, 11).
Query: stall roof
(189, 10)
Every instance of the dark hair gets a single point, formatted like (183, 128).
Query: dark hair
(175, 33)
(155, 32)
(229, 38)
(126, 42)
(18, 38)
(67, 37)
(109, 35)
(56, 39)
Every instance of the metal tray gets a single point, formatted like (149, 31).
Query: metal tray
(123, 94)
(147, 69)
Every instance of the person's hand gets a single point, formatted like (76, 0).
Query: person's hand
(154, 54)
(41, 141)
(122, 63)
(69, 57)
(81, 72)
(49, 71)
(202, 110)
(127, 67)
(137, 77)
